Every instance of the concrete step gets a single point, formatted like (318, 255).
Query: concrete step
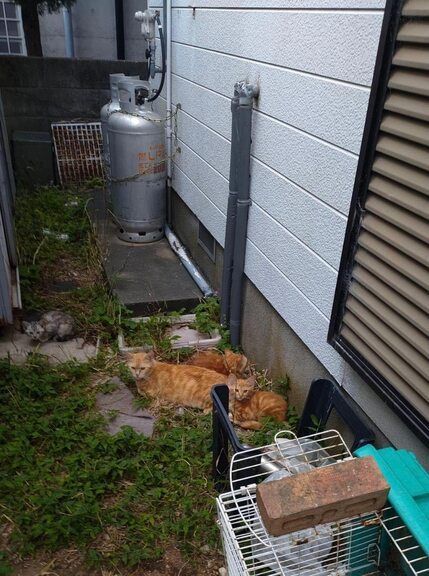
(147, 278)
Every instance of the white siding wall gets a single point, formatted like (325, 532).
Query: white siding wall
(313, 60)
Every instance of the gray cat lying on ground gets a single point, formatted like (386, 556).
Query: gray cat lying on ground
(54, 325)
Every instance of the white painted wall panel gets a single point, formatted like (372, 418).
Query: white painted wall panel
(291, 256)
(322, 169)
(214, 148)
(211, 108)
(208, 180)
(279, 4)
(214, 220)
(293, 259)
(313, 60)
(314, 223)
(326, 43)
(303, 317)
(332, 110)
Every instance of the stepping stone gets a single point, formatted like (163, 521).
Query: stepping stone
(121, 401)
(18, 346)
(146, 278)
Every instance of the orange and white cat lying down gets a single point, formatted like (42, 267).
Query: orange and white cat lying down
(247, 412)
(227, 363)
(181, 384)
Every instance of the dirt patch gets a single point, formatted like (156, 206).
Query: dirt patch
(72, 563)
(73, 270)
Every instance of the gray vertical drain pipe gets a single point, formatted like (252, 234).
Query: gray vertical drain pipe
(238, 208)
(231, 214)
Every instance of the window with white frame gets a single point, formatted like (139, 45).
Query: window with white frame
(11, 32)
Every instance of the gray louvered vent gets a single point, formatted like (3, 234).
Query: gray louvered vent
(387, 309)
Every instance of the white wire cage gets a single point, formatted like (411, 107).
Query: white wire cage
(357, 546)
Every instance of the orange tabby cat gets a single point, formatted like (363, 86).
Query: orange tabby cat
(228, 363)
(246, 412)
(180, 384)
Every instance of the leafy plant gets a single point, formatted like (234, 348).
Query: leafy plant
(266, 434)
(281, 385)
(207, 315)
(292, 418)
(108, 387)
(317, 425)
(65, 482)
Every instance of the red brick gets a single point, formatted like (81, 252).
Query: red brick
(321, 496)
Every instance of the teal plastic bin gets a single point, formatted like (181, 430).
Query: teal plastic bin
(409, 488)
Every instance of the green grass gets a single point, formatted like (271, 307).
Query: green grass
(65, 482)
(41, 215)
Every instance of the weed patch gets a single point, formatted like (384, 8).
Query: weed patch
(154, 332)
(57, 246)
(65, 482)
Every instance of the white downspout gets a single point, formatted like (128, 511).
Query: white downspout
(173, 240)
(68, 32)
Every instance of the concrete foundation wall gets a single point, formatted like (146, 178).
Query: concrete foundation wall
(270, 342)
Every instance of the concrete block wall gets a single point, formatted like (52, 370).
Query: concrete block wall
(38, 91)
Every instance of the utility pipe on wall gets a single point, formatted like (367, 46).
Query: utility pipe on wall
(120, 33)
(68, 32)
(196, 275)
(169, 135)
(231, 214)
(238, 208)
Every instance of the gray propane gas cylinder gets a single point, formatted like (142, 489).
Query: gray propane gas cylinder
(108, 108)
(137, 165)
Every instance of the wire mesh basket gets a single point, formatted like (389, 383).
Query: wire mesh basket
(358, 545)
(78, 150)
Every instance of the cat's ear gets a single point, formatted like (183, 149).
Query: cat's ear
(252, 380)
(126, 356)
(243, 364)
(151, 355)
(25, 325)
(231, 381)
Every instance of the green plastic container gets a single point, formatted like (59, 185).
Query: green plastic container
(409, 488)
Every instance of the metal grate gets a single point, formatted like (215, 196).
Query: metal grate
(78, 149)
(357, 546)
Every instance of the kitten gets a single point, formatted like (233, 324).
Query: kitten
(247, 412)
(54, 325)
(180, 384)
(228, 363)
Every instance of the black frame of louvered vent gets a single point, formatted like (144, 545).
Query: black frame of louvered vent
(388, 38)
